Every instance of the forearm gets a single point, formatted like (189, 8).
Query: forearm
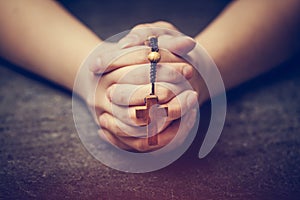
(44, 38)
(250, 37)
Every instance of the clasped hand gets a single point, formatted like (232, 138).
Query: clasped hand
(121, 75)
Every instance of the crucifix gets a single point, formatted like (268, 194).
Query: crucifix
(152, 111)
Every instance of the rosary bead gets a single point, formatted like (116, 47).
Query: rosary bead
(154, 56)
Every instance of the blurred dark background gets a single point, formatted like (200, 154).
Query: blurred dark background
(107, 18)
(257, 156)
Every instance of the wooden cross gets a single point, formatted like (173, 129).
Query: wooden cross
(150, 113)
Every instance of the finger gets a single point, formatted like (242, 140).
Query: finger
(128, 115)
(177, 107)
(181, 104)
(120, 129)
(166, 72)
(164, 138)
(180, 45)
(133, 95)
(169, 38)
(186, 124)
(141, 144)
(110, 61)
(140, 33)
(140, 56)
(106, 136)
(101, 56)
(105, 54)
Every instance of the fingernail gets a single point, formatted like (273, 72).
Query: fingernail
(187, 71)
(127, 41)
(103, 121)
(192, 99)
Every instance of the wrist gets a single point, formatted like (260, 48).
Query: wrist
(206, 80)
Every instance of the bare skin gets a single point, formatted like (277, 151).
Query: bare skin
(53, 44)
(44, 38)
(247, 39)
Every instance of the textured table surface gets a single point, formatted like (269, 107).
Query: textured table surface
(257, 156)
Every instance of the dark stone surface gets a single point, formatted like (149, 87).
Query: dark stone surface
(257, 156)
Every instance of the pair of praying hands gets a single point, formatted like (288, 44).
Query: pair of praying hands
(121, 75)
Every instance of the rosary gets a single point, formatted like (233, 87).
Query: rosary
(152, 110)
